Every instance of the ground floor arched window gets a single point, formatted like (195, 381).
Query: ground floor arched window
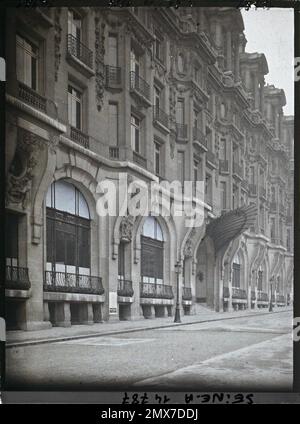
(152, 254)
(67, 232)
(236, 272)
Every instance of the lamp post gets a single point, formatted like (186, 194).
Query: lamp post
(271, 301)
(177, 310)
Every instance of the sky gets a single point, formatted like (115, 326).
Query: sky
(272, 32)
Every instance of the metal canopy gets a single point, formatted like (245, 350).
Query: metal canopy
(231, 224)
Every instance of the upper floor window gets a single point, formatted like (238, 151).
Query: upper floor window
(75, 24)
(135, 134)
(222, 150)
(157, 98)
(75, 107)
(27, 62)
(158, 46)
(113, 50)
(11, 240)
(134, 62)
(180, 112)
(197, 74)
(223, 194)
(157, 158)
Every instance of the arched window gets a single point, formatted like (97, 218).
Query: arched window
(68, 230)
(236, 272)
(152, 244)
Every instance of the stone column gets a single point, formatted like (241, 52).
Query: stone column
(46, 312)
(256, 299)
(86, 315)
(249, 297)
(62, 314)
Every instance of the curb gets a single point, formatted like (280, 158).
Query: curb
(132, 330)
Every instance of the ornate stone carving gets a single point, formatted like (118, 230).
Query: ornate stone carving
(99, 60)
(21, 170)
(188, 249)
(125, 229)
(57, 41)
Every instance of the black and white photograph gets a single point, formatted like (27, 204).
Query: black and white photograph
(149, 198)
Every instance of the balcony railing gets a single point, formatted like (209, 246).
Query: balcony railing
(276, 240)
(139, 85)
(252, 189)
(31, 97)
(125, 288)
(114, 152)
(72, 283)
(244, 184)
(223, 165)
(113, 76)
(263, 297)
(238, 293)
(79, 137)
(161, 116)
(79, 50)
(161, 291)
(237, 170)
(186, 293)
(226, 292)
(16, 278)
(181, 131)
(199, 136)
(140, 160)
(211, 157)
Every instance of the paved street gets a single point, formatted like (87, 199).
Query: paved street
(249, 353)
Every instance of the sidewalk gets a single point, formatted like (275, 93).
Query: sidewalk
(55, 334)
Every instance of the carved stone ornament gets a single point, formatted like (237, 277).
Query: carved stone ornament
(188, 249)
(57, 41)
(125, 229)
(21, 173)
(99, 60)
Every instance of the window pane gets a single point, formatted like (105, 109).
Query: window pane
(149, 227)
(65, 197)
(83, 207)
(113, 124)
(83, 247)
(113, 50)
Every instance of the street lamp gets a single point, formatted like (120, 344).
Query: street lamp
(177, 310)
(271, 301)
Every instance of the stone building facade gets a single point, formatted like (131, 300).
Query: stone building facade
(156, 94)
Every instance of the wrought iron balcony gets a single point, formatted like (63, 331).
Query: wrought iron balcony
(263, 297)
(17, 278)
(181, 131)
(160, 291)
(79, 137)
(244, 184)
(199, 137)
(72, 283)
(252, 189)
(125, 288)
(238, 293)
(79, 50)
(253, 295)
(140, 160)
(161, 116)
(113, 76)
(139, 85)
(114, 152)
(31, 97)
(225, 292)
(275, 240)
(186, 293)
(223, 165)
